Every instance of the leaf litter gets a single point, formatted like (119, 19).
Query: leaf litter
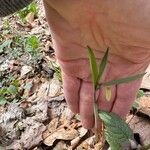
(39, 117)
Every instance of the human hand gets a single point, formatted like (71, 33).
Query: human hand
(123, 26)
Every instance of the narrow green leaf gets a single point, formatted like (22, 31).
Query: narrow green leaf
(117, 131)
(140, 94)
(123, 80)
(93, 65)
(102, 65)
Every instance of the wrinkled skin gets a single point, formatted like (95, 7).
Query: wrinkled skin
(123, 26)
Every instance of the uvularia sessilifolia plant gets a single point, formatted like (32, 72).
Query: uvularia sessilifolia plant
(114, 129)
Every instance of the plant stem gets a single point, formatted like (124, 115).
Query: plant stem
(95, 106)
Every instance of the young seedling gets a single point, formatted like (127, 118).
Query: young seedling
(115, 129)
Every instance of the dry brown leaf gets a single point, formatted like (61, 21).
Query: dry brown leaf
(83, 146)
(25, 70)
(144, 104)
(25, 104)
(30, 17)
(75, 142)
(146, 80)
(87, 144)
(98, 146)
(50, 89)
(141, 126)
(48, 45)
(61, 134)
(31, 136)
(82, 132)
(45, 134)
(53, 125)
(61, 145)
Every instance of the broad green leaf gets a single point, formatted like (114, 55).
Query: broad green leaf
(102, 65)
(12, 89)
(108, 93)
(123, 80)
(93, 65)
(117, 131)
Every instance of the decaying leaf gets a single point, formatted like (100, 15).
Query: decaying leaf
(50, 89)
(25, 70)
(60, 134)
(53, 125)
(87, 144)
(141, 126)
(108, 93)
(31, 137)
(61, 145)
(146, 80)
(82, 133)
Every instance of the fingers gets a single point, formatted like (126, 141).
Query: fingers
(71, 87)
(86, 105)
(126, 94)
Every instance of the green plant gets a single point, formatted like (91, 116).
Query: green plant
(32, 44)
(115, 129)
(9, 93)
(6, 24)
(25, 11)
(57, 69)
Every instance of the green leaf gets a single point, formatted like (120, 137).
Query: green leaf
(32, 42)
(3, 91)
(28, 86)
(3, 101)
(93, 65)
(140, 94)
(16, 83)
(123, 80)
(135, 105)
(102, 65)
(12, 89)
(7, 43)
(117, 131)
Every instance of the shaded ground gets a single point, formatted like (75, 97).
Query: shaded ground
(33, 111)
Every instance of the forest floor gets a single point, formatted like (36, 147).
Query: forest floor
(33, 111)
